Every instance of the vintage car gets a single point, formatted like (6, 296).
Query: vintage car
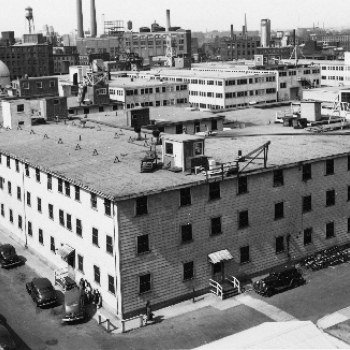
(73, 307)
(6, 341)
(8, 256)
(282, 278)
(42, 291)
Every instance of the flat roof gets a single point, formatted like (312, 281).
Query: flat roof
(126, 82)
(177, 115)
(181, 137)
(207, 74)
(122, 179)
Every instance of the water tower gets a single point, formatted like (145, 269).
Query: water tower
(30, 19)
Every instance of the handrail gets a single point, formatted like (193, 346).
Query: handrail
(235, 282)
(218, 287)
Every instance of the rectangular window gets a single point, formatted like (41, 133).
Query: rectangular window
(20, 222)
(8, 162)
(39, 205)
(330, 198)
(142, 244)
(169, 148)
(348, 193)
(80, 263)
(61, 217)
(308, 236)
(29, 199)
(109, 244)
(111, 287)
(278, 177)
(60, 186)
(279, 244)
(216, 226)
(214, 190)
(2, 180)
(9, 188)
(51, 211)
(141, 206)
(279, 210)
(67, 188)
(306, 172)
(243, 219)
(49, 182)
(244, 254)
(93, 200)
(30, 229)
(52, 244)
(69, 222)
(330, 230)
(19, 196)
(26, 167)
(2, 210)
(108, 210)
(41, 236)
(329, 166)
(348, 220)
(95, 236)
(17, 166)
(97, 274)
(186, 233)
(307, 204)
(145, 283)
(79, 228)
(11, 216)
(185, 196)
(242, 184)
(37, 175)
(77, 193)
(188, 271)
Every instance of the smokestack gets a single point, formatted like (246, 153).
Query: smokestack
(93, 23)
(232, 42)
(168, 25)
(80, 29)
(243, 31)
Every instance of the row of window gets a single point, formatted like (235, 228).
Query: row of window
(157, 103)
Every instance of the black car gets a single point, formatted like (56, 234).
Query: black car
(8, 256)
(42, 291)
(74, 307)
(285, 277)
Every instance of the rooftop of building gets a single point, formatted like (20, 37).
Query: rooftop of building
(126, 82)
(120, 178)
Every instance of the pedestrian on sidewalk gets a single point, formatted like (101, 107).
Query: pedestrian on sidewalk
(56, 119)
(149, 314)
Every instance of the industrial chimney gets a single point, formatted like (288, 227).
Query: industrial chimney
(93, 22)
(168, 25)
(80, 29)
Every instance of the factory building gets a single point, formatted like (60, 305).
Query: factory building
(134, 92)
(158, 236)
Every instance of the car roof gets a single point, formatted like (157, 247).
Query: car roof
(42, 282)
(72, 295)
(6, 246)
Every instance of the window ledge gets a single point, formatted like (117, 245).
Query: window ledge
(185, 205)
(244, 263)
(189, 279)
(148, 291)
(144, 253)
(95, 245)
(279, 218)
(186, 242)
(216, 234)
(329, 174)
(330, 237)
(243, 227)
(241, 193)
(281, 252)
(210, 200)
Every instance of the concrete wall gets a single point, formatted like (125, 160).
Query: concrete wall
(49, 87)
(12, 118)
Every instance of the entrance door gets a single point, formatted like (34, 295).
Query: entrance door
(218, 271)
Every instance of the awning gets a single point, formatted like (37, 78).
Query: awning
(219, 256)
(64, 251)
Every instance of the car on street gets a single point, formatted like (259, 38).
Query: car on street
(42, 291)
(6, 341)
(74, 306)
(8, 256)
(280, 279)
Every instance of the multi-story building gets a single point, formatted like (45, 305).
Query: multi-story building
(36, 87)
(63, 58)
(133, 92)
(156, 236)
(219, 90)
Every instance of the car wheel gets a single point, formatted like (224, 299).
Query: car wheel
(269, 292)
(28, 290)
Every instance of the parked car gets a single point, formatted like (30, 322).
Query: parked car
(8, 256)
(6, 341)
(73, 307)
(286, 277)
(42, 291)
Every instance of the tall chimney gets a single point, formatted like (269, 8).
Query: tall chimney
(93, 22)
(168, 25)
(232, 42)
(80, 29)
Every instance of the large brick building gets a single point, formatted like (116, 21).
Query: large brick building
(154, 236)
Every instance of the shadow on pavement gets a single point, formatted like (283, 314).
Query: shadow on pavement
(20, 344)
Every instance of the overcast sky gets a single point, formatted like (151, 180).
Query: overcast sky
(197, 15)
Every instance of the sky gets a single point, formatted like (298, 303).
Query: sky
(197, 15)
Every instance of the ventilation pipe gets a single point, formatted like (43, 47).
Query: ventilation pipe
(168, 20)
(93, 22)
(80, 29)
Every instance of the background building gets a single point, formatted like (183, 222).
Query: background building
(265, 33)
